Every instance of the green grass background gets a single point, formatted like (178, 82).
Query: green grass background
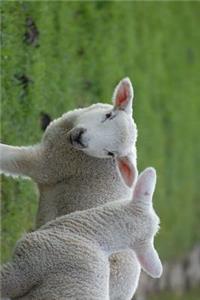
(84, 49)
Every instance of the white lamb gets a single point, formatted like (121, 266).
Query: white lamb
(74, 167)
(68, 258)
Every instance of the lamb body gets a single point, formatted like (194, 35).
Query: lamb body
(76, 174)
(68, 258)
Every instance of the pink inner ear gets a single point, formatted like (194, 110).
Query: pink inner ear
(126, 172)
(122, 95)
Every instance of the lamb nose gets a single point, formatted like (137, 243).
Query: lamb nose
(78, 136)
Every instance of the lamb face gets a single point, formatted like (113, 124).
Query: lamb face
(105, 130)
(102, 130)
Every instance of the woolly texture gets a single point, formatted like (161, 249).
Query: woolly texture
(74, 171)
(68, 258)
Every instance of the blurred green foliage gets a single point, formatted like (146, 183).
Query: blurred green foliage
(77, 55)
(190, 295)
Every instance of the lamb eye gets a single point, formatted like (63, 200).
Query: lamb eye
(108, 115)
(110, 153)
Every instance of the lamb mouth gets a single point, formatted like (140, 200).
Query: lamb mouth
(110, 153)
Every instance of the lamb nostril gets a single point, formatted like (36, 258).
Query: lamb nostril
(76, 137)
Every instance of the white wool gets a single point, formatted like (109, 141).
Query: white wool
(71, 177)
(68, 258)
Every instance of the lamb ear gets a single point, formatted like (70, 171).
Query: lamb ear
(19, 161)
(123, 96)
(150, 261)
(145, 187)
(127, 170)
